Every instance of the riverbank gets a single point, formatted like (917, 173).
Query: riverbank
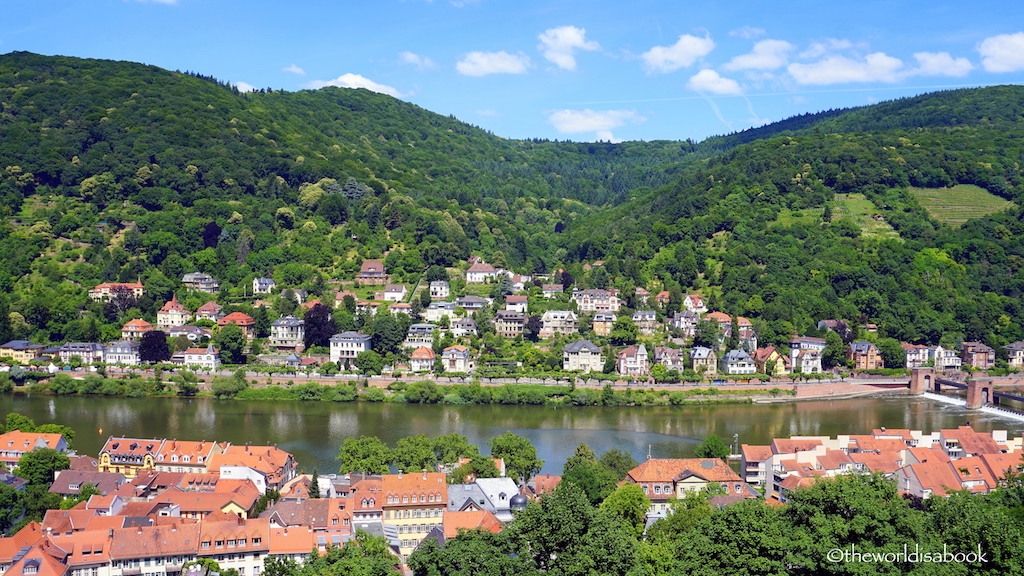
(458, 390)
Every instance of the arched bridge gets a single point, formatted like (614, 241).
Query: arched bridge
(981, 388)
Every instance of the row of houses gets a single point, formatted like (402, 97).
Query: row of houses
(922, 464)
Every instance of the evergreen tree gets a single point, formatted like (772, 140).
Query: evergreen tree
(319, 326)
(153, 347)
(261, 322)
(314, 485)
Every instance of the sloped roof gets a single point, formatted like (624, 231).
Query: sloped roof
(455, 522)
(668, 469)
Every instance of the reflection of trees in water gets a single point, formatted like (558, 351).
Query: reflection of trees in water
(314, 430)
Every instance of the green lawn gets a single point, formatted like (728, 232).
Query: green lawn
(958, 204)
(861, 211)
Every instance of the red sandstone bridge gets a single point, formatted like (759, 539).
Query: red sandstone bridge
(982, 389)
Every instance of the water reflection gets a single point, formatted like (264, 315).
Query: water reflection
(314, 430)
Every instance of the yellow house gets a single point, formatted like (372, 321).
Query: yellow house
(768, 354)
(129, 456)
(415, 504)
(21, 351)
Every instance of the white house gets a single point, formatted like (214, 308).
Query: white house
(582, 355)
(632, 361)
(480, 273)
(346, 346)
(206, 358)
(263, 285)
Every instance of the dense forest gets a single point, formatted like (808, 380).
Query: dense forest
(114, 171)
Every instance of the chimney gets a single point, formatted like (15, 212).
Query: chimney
(399, 473)
(424, 473)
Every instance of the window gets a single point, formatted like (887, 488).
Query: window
(206, 545)
(334, 521)
(231, 543)
(657, 489)
(219, 543)
(256, 541)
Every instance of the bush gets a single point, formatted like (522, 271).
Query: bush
(228, 387)
(373, 395)
(343, 393)
(63, 384)
(423, 392)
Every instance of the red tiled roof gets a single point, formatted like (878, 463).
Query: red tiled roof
(483, 520)
(938, 477)
(238, 318)
(756, 453)
(423, 353)
(667, 469)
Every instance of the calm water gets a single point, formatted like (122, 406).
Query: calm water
(312, 431)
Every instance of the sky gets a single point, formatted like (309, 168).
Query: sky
(581, 70)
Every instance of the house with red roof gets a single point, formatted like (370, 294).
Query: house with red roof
(15, 444)
(422, 359)
(108, 290)
(414, 504)
(209, 311)
(172, 313)
(275, 464)
(243, 321)
(372, 272)
(133, 330)
(481, 273)
(664, 479)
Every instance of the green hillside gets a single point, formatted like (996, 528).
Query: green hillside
(957, 204)
(120, 171)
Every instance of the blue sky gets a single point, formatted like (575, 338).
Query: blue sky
(567, 70)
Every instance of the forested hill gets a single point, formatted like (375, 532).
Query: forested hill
(874, 214)
(905, 214)
(66, 119)
(998, 108)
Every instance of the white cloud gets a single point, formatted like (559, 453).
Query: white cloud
(748, 32)
(1002, 53)
(355, 81)
(244, 86)
(420, 62)
(710, 82)
(766, 55)
(687, 50)
(560, 44)
(294, 69)
(829, 45)
(599, 121)
(607, 136)
(484, 63)
(876, 67)
(941, 64)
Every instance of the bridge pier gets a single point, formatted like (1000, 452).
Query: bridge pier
(979, 392)
(921, 380)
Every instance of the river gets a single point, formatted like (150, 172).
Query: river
(312, 431)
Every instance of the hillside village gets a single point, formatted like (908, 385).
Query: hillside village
(160, 504)
(481, 318)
